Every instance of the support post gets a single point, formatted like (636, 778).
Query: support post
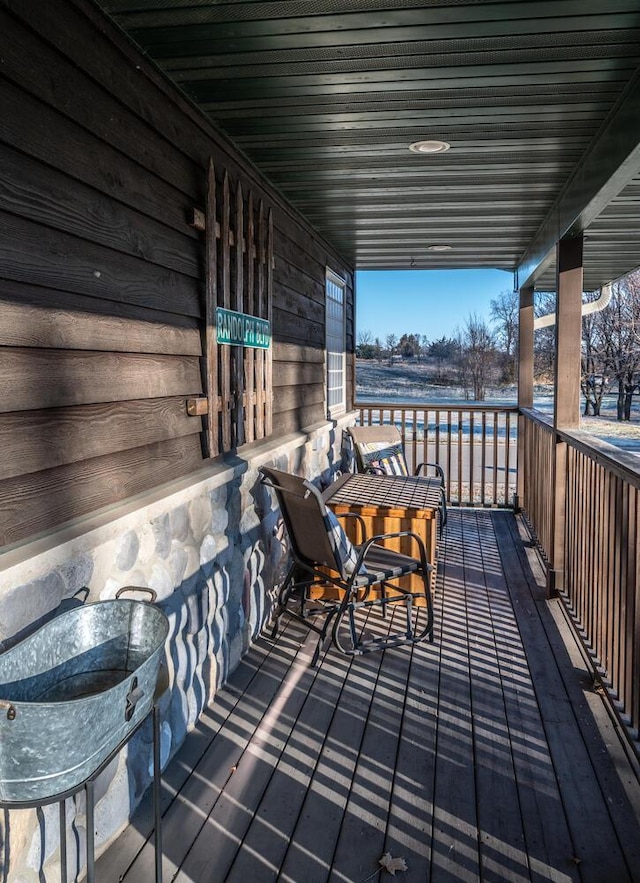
(62, 816)
(525, 381)
(566, 410)
(90, 823)
(157, 794)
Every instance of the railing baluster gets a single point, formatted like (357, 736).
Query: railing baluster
(495, 458)
(507, 458)
(483, 457)
(460, 443)
(448, 469)
(634, 621)
(471, 457)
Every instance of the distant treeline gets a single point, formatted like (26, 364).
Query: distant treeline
(482, 355)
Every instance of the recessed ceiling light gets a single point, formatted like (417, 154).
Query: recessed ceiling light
(429, 146)
(439, 248)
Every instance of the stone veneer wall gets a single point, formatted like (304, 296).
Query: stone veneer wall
(212, 548)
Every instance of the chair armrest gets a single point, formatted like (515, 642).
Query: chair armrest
(435, 466)
(360, 519)
(401, 533)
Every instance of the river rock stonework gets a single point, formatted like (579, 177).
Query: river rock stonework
(213, 551)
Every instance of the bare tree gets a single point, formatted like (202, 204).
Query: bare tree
(392, 342)
(365, 347)
(620, 330)
(478, 356)
(505, 313)
(595, 363)
(544, 338)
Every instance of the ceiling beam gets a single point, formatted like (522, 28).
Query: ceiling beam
(611, 161)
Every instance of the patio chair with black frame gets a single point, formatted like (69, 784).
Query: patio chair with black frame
(330, 580)
(378, 449)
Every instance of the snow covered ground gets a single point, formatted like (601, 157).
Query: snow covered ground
(410, 384)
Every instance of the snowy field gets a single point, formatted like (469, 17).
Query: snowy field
(408, 384)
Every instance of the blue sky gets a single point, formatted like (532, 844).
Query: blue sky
(430, 302)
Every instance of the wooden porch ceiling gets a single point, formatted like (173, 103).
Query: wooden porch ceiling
(487, 755)
(537, 99)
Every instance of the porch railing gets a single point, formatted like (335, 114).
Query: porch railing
(598, 555)
(594, 552)
(536, 466)
(476, 446)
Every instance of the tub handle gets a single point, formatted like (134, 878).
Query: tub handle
(149, 591)
(133, 697)
(10, 709)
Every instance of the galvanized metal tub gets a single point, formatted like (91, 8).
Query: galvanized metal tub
(71, 693)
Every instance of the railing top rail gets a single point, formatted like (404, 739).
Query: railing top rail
(428, 406)
(542, 419)
(624, 464)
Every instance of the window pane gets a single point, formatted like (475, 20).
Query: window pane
(336, 399)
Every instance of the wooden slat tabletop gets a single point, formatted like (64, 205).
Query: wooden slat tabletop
(384, 491)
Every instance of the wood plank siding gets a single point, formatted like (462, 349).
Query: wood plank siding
(488, 754)
(102, 279)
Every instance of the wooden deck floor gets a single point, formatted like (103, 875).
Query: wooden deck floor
(485, 756)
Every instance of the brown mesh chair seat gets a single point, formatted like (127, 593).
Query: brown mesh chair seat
(329, 580)
(378, 450)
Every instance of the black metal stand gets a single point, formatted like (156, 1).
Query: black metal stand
(88, 785)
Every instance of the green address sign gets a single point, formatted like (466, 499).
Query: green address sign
(239, 329)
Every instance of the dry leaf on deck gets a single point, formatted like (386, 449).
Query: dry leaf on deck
(391, 864)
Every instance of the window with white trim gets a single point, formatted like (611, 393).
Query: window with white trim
(335, 344)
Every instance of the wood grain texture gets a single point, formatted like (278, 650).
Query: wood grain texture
(32, 441)
(36, 255)
(102, 296)
(53, 78)
(298, 247)
(33, 378)
(288, 276)
(291, 328)
(297, 374)
(297, 418)
(41, 194)
(58, 320)
(31, 126)
(40, 296)
(286, 398)
(43, 500)
(75, 28)
(284, 352)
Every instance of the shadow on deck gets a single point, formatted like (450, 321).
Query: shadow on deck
(487, 755)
